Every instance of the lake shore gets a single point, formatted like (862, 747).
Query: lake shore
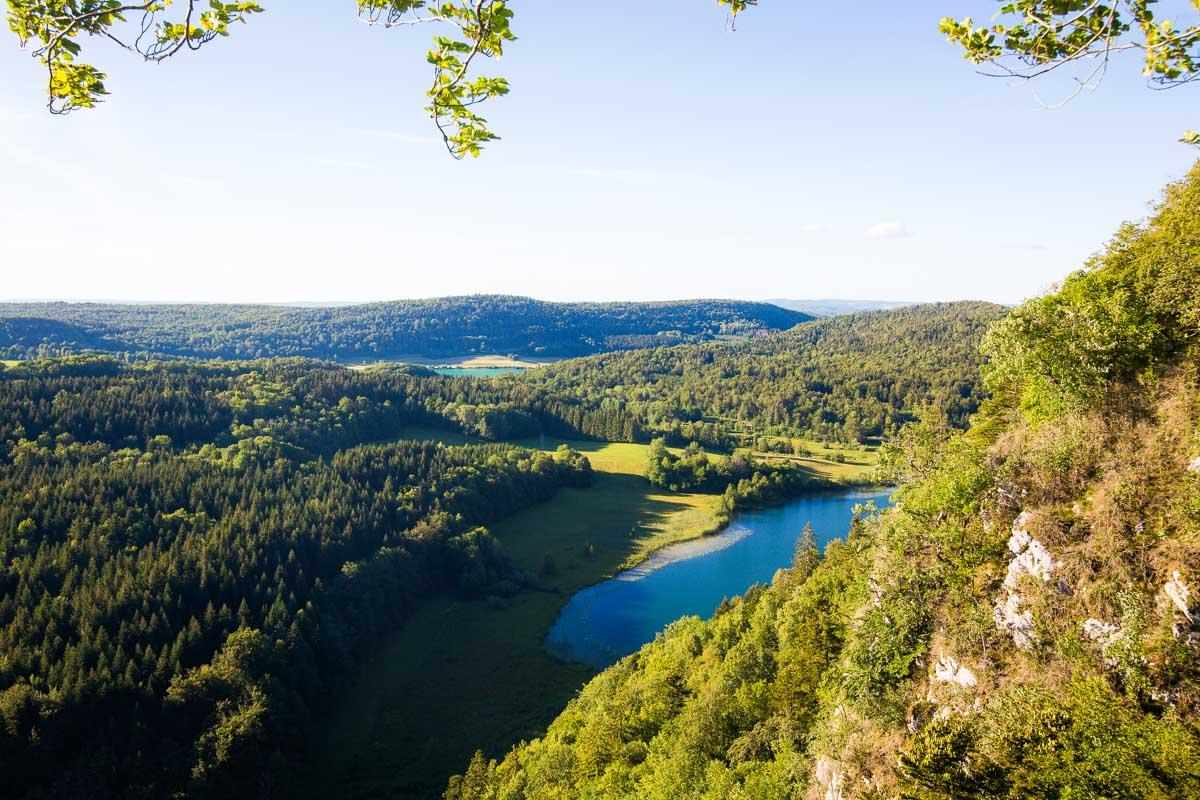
(481, 666)
(484, 666)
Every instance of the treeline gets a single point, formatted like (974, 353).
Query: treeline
(191, 556)
(442, 327)
(253, 409)
(844, 379)
(742, 482)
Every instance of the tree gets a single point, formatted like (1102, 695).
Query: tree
(1031, 38)
(56, 28)
(807, 555)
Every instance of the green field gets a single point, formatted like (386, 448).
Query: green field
(455, 361)
(462, 675)
(856, 464)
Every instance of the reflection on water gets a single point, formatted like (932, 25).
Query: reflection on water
(612, 619)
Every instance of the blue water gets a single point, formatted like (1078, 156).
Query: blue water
(605, 622)
(477, 372)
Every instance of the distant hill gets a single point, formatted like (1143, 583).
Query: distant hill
(833, 308)
(837, 379)
(434, 328)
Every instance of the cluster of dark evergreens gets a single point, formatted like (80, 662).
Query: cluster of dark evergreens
(280, 403)
(742, 481)
(443, 327)
(182, 578)
(841, 379)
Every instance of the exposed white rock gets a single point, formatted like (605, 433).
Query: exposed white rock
(831, 778)
(1018, 623)
(876, 592)
(1195, 465)
(948, 670)
(1030, 558)
(1019, 541)
(1179, 593)
(1101, 632)
(1020, 538)
(1034, 560)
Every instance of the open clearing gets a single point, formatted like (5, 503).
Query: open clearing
(821, 459)
(480, 667)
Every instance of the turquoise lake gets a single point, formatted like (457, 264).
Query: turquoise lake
(477, 372)
(610, 620)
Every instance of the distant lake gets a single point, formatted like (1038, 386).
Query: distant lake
(477, 372)
(610, 620)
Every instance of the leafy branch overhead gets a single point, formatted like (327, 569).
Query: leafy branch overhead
(55, 29)
(1031, 38)
(483, 28)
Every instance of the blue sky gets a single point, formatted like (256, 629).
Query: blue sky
(648, 153)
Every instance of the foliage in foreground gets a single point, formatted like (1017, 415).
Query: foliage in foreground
(1029, 39)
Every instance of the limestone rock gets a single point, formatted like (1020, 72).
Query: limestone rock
(1179, 594)
(1100, 632)
(948, 670)
(831, 778)
(1018, 623)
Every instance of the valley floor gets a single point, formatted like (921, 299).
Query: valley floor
(461, 676)
(467, 675)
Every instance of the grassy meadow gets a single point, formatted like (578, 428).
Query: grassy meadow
(458, 361)
(480, 667)
(821, 460)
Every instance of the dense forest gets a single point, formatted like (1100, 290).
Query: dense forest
(1023, 622)
(190, 556)
(841, 379)
(193, 552)
(439, 328)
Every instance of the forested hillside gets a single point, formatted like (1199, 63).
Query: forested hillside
(192, 553)
(437, 328)
(1024, 623)
(181, 579)
(840, 379)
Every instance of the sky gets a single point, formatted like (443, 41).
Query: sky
(838, 149)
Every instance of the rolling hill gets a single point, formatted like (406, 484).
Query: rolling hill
(435, 328)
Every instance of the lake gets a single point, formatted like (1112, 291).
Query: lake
(610, 620)
(477, 372)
